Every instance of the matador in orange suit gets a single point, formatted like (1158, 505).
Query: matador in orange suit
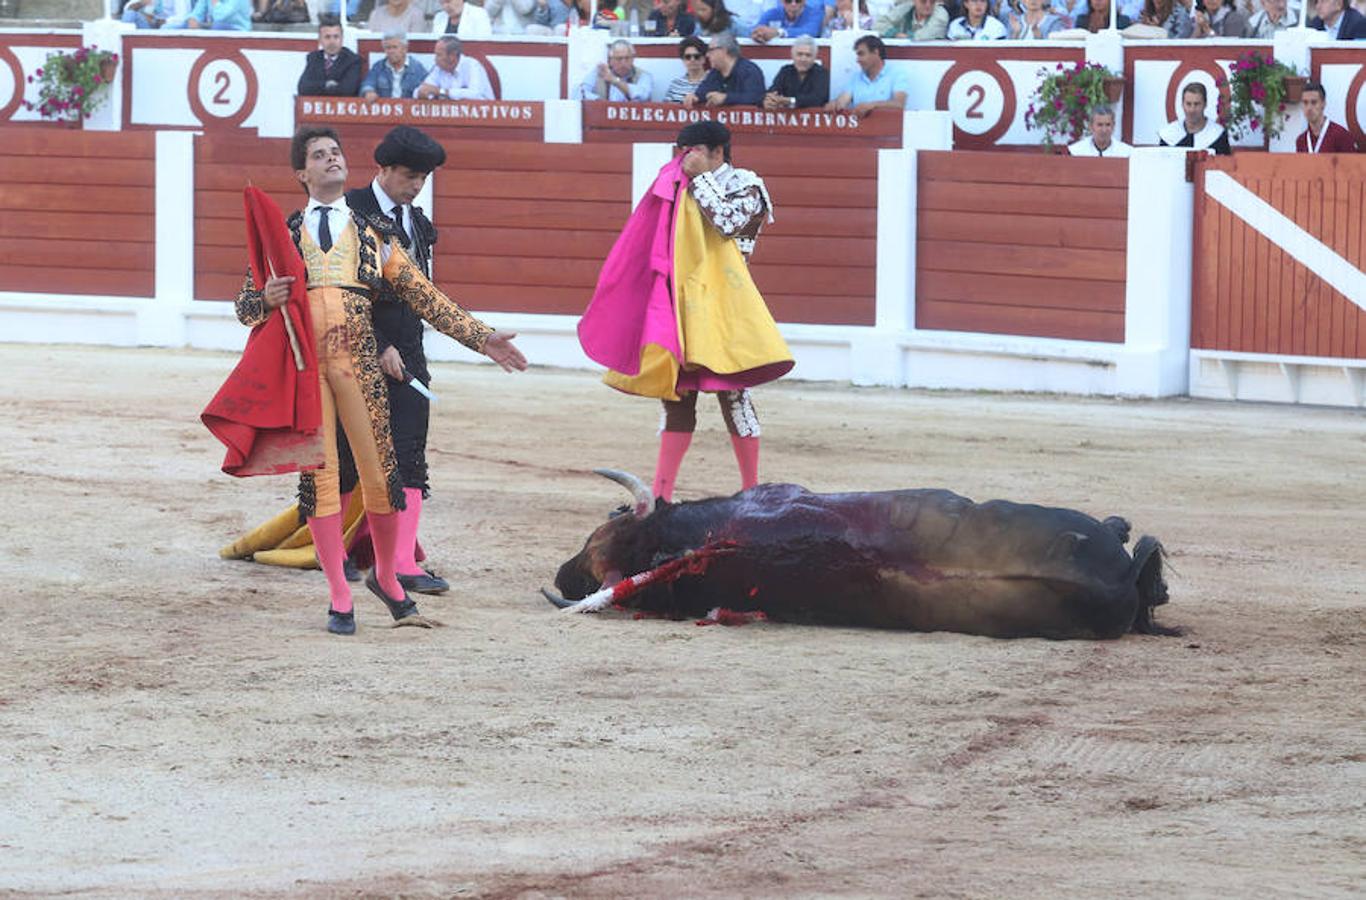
(348, 256)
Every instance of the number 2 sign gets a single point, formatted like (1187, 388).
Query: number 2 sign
(222, 89)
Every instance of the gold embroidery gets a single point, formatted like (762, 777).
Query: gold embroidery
(251, 303)
(365, 362)
(338, 266)
(444, 314)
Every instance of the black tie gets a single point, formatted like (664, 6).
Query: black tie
(402, 232)
(324, 229)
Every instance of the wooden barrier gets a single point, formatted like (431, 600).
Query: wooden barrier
(525, 228)
(1256, 286)
(1033, 247)
(77, 212)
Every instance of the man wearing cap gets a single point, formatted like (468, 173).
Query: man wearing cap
(405, 157)
(735, 203)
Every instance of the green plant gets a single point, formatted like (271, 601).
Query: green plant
(1255, 86)
(73, 85)
(1064, 98)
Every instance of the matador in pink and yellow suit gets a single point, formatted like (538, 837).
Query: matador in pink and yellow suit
(676, 312)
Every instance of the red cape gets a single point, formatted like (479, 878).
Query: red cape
(268, 412)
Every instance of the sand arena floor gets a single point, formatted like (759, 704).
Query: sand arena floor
(174, 725)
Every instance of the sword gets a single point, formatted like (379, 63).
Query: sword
(418, 386)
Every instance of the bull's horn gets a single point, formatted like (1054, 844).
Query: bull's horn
(643, 496)
(555, 599)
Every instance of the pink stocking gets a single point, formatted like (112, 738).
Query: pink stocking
(327, 544)
(672, 446)
(405, 554)
(747, 456)
(384, 528)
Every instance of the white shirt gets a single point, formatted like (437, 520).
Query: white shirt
(474, 23)
(1087, 147)
(467, 82)
(387, 205)
(338, 217)
(991, 29)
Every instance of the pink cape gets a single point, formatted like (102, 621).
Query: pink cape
(617, 326)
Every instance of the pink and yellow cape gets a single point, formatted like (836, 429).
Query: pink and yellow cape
(675, 309)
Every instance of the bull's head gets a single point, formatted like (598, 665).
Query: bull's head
(615, 548)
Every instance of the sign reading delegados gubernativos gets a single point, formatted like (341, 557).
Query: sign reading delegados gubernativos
(672, 116)
(422, 112)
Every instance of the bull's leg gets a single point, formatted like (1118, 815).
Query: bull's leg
(1151, 586)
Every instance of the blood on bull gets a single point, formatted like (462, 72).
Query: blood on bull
(921, 560)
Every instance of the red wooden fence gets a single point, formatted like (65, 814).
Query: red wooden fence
(77, 211)
(1026, 245)
(1250, 295)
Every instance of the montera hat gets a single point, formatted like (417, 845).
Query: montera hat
(406, 146)
(706, 133)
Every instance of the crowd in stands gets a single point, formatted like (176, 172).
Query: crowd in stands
(767, 20)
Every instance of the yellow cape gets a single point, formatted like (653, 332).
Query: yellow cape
(282, 541)
(723, 323)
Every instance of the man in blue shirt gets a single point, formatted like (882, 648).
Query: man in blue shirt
(876, 86)
(221, 15)
(732, 81)
(398, 76)
(793, 18)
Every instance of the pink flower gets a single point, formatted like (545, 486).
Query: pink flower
(39, 73)
(1255, 123)
(30, 79)
(1257, 91)
(78, 91)
(1057, 104)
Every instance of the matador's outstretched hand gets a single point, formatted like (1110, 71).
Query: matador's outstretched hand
(499, 348)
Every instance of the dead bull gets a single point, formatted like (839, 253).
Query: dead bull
(923, 560)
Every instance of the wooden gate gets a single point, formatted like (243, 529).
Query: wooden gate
(1279, 246)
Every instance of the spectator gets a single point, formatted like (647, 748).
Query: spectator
(1341, 22)
(397, 15)
(220, 15)
(976, 23)
(1194, 130)
(1273, 17)
(618, 79)
(801, 83)
(792, 18)
(694, 55)
(556, 16)
(331, 70)
(157, 13)
(1096, 17)
(1101, 141)
(1031, 20)
(712, 18)
(876, 86)
(843, 18)
(1171, 16)
(398, 75)
(464, 20)
(509, 16)
(281, 12)
(669, 20)
(1218, 18)
(455, 76)
(333, 7)
(732, 81)
(919, 20)
(1322, 135)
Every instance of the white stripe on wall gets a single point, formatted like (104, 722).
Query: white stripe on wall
(1320, 259)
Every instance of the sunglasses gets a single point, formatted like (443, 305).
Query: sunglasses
(793, 2)
(692, 55)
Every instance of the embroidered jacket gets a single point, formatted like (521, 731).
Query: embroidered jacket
(735, 201)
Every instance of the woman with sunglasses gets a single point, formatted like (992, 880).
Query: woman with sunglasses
(694, 55)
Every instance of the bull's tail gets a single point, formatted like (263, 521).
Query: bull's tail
(1146, 575)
